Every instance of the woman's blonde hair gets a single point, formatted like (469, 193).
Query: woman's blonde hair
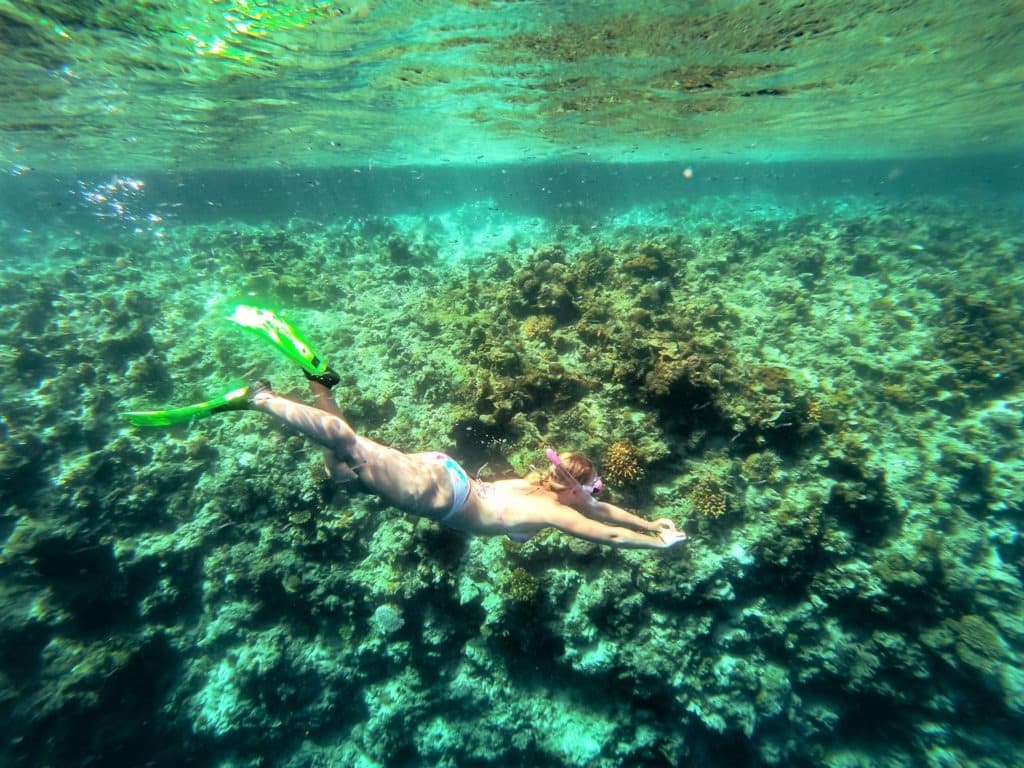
(578, 465)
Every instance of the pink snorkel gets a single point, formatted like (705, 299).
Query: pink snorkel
(590, 490)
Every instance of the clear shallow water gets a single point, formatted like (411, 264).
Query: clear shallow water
(814, 366)
(554, 191)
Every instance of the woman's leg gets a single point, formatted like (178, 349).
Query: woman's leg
(326, 429)
(325, 398)
(408, 482)
(339, 470)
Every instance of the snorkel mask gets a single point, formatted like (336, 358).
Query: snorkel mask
(590, 489)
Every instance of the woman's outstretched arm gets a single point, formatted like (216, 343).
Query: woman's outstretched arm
(572, 522)
(600, 510)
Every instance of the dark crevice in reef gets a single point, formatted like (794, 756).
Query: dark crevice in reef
(860, 500)
(787, 581)
(120, 723)
(538, 648)
(871, 719)
(87, 580)
(23, 470)
(479, 443)
(20, 649)
(731, 748)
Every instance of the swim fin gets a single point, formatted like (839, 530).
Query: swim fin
(281, 334)
(235, 400)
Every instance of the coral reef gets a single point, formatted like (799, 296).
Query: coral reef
(835, 423)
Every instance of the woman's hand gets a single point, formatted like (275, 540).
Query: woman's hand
(663, 524)
(671, 538)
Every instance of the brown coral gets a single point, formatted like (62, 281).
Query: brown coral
(979, 643)
(521, 586)
(650, 260)
(761, 467)
(708, 498)
(539, 327)
(621, 464)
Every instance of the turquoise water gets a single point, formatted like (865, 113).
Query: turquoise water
(764, 263)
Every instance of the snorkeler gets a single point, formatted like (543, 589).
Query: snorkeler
(430, 485)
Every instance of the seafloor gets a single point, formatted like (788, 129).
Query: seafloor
(827, 397)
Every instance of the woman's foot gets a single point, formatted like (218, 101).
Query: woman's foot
(259, 391)
(327, 379)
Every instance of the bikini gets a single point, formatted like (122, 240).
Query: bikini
(461, 485)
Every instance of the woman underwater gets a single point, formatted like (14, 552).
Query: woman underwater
(430, 485)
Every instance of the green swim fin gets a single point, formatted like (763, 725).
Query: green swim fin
(281, 334)
(235, 400)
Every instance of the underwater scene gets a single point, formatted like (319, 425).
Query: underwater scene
(486, 383)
